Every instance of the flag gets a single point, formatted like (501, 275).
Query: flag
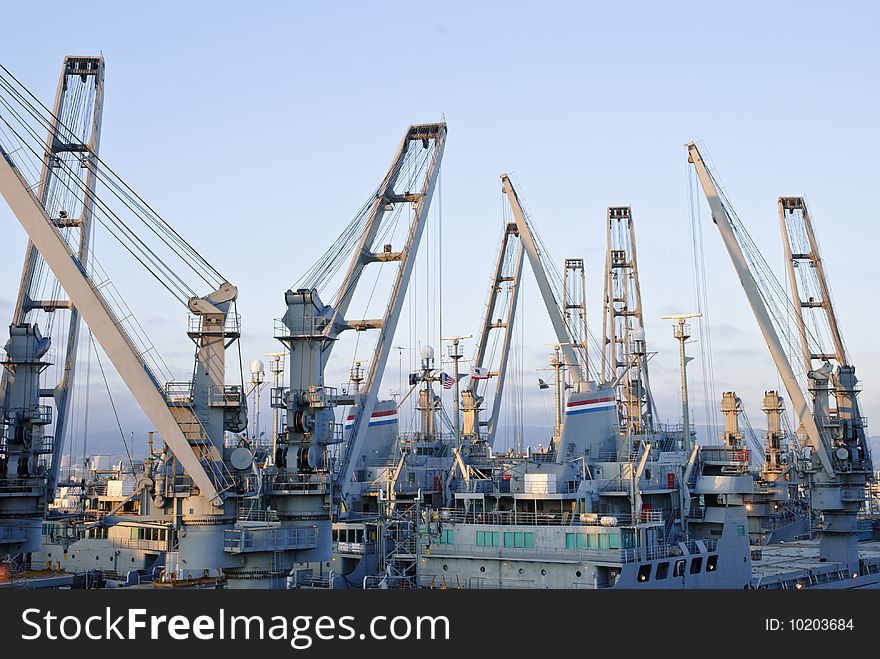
(479, 373)
(447, 380)
(542, 384)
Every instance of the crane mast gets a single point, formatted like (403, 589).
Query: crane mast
(500, 314)
(80, 93)
(624, 360)
(192, 422)
(839, 481)
(310, 328)
(557, 318)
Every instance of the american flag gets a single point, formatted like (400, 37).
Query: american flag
(447, 380)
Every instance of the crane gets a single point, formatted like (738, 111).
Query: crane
(624, 361)
(843, 465)
(191, 422)
(500, 314)
(564, 336)
(310, 328)
(80, 94)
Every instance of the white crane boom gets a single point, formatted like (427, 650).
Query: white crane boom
(753, 295)
(553, 309)
(103, 323)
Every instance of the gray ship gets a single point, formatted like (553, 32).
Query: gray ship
(338, 496)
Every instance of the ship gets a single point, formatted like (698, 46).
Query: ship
(339, 496)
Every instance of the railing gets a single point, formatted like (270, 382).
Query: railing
(517, 518)
(179, 392)
(476, 486)
(231, 326)
(278, 397)
(224, 395)
(23, 486)
(320, 396)
(279, 538)
(47, 445)
(255, 514)
(296, 483)
(312, 327)
(37, 414)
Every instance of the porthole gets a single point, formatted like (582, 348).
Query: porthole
(520, 570)
(543, 573)
(482, 568)
(445, 567)
(578, 573)
(49, 554)
(132, 559)
(97, 558)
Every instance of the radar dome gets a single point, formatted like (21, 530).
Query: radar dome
(256, 366)
(427, 352)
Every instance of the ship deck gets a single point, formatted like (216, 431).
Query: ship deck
(791, 559)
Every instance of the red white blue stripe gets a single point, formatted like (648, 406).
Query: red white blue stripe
(376, 419)
(573, 407)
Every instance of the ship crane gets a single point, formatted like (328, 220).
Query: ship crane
(573, 349)
(568, 318)
(624, 354)
(500, 314)
(309, 328)
(192, 419)
(843, 465)
(80, 94)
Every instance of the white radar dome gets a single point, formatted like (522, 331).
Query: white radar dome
(427, 352)
(256, 366)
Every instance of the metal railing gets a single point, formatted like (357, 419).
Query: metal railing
(316, 483)
(518, 518)
(313, 327)
(23, 486)
(276, 538)
(179, 392)
(224, 395)
(231, 326)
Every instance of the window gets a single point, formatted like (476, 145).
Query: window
(613, 541)
(678, 571)
(662, 570)
(487, 538)
(574, 540)
(603, 540)
(519, 539)
(644, 573)
(696, 565)
(712, 563)
(447, 537)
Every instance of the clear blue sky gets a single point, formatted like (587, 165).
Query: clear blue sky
(259, 129)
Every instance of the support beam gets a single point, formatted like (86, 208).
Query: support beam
(553, 308)
(72, 275)
(765, 323)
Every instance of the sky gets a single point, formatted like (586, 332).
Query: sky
(258, 131)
